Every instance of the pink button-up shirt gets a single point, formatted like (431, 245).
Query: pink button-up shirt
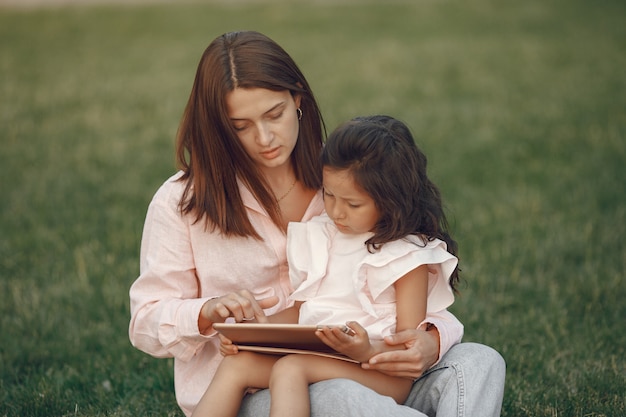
(183, 265)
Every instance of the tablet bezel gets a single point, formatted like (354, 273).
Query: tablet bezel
(277, 338)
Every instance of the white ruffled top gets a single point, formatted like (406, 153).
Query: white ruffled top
(339, 280)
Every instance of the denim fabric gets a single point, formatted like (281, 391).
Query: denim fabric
(467, 382)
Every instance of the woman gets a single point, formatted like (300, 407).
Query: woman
(214, 240)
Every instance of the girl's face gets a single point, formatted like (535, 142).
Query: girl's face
(347, 204)
(266, 122)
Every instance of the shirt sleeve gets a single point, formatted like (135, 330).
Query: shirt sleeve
(449, 327)
(164, 299)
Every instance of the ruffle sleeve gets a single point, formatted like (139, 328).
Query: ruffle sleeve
(383, 268)
(307, 242)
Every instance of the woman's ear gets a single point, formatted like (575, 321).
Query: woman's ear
(297, 98)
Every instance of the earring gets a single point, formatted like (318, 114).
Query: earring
(299, 111)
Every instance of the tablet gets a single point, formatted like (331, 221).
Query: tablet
(278, 339)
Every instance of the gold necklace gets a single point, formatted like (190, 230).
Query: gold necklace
(278, 200)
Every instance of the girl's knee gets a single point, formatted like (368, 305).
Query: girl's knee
(289, 364)
(291, 361)
(242, 360)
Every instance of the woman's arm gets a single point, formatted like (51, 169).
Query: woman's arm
(288, 315)
(419, 350)
(164, 301)
(169, 314)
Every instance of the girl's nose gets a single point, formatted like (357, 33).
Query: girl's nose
(338, 212)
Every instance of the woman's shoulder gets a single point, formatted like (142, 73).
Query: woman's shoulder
(170, 192)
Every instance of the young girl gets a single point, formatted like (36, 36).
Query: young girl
(378, 260)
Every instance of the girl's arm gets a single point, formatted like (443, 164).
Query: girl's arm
(411, 296)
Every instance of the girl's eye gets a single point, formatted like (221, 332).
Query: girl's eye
(354, 205)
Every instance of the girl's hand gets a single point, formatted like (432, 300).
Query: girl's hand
(226, 346)
(240, 305)
(351, 340)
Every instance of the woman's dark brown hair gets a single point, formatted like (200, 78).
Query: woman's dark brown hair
(207, 148)
(381, 154)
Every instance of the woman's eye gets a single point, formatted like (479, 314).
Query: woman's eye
(276, 116)
(239, 128)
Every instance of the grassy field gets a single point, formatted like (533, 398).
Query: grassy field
(521, 107)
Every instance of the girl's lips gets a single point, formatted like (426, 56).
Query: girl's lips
(341, 227)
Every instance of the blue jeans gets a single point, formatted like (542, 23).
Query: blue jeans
(468, 381)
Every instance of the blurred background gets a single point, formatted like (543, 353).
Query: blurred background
(520, 107)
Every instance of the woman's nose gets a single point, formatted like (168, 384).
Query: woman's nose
(264, 134)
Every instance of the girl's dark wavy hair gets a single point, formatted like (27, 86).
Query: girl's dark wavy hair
(381, 154)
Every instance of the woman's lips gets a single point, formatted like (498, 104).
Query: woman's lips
(271, 154)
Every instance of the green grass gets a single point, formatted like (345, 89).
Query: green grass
(519, 105)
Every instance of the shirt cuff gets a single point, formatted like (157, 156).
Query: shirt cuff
(450, 331)
(180, 334)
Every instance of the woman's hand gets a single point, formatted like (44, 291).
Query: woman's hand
(421, 350)
(351, 340)
(240, 305)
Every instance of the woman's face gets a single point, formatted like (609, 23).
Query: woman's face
(266, 122)
(347, 204)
